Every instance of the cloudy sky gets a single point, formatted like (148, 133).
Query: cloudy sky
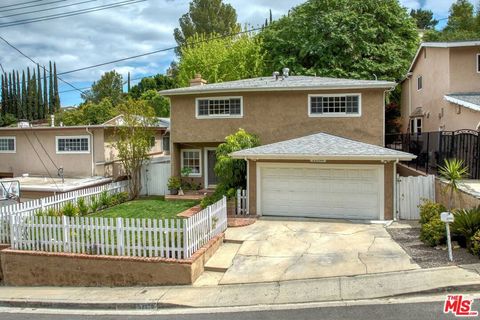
(119, 32)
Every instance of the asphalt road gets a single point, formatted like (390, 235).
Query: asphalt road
(422, 310)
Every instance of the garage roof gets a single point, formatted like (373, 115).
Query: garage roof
(322, 146)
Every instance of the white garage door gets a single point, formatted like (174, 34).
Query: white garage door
(323, 191)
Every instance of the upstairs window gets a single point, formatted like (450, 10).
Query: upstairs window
(73, 144)
(419, 83)
(223, 107)
(7, 145)
(346, 105)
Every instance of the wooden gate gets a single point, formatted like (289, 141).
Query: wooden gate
(411, 191)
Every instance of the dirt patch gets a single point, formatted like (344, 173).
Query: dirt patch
(425, 256)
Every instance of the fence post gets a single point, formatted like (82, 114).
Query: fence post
(42, 204)
(12, 231)
(239, 202)
(66, 230)
(185, 239)
(209, 211)
(120, 240)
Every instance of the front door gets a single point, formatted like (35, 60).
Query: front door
(211, 161)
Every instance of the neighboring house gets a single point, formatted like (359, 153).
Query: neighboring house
(442, 88)
(336, 165)
(79, 151)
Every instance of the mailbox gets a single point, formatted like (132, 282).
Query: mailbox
(447, 217)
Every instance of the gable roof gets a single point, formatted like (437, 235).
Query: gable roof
(289, 83)
(469, 100)
(322, 146)
(443, 44)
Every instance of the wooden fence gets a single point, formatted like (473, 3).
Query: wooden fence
(56, 202)
(168, 238)
(242, 202)
(411, 191)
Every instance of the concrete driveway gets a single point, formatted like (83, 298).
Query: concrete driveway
(276, 250)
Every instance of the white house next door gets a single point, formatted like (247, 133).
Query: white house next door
(321, 190)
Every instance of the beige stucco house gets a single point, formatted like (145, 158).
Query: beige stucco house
(442, 88)
(322, 153)
(79, 151)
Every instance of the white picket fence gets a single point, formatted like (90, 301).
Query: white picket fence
(242, 202)
(168, 238)
(56, 202)
(411, 192)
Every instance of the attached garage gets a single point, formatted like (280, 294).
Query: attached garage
(322, 176)
(321, 190)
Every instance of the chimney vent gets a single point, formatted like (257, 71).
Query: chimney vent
(286, 72)
(197, 81)
(276, 75)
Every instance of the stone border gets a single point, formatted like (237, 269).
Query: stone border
(34, 268)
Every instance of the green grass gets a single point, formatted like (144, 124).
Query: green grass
(148, 208)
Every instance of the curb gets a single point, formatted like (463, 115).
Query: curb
(159, 305)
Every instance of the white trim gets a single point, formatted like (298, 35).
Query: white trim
(205, 154)
(402, 157)
(219, 116)
(379, 167)
(386, 85)
(478, 65)
(248, 185)
(14, 144)
(462, 103)
(335, 115)
(200, 159)
(72, 137)
(418, 78)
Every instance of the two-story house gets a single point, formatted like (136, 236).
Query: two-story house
(442, 88)
(322, 142)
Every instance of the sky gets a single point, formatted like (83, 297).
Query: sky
(119, 32)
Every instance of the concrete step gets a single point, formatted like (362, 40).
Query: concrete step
(233, 241)
(208, 278)
(222, 259)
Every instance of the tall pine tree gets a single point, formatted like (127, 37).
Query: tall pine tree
(56, 95)
(45, 92)
(10, 95)
(28, 109)
(24, 96)
(19, 97)
(34, 93)
(4, 96)
(41, 106)
(51, 95)
(14, 94)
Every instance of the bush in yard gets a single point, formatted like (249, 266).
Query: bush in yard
(466, 224)
(475, 241)
(433, 232)
(430, 210)
(69, 210)
(105, 199)
(94, 205)
(82, 207)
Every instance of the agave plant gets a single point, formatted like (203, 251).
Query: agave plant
(454, 172)
(466, 224)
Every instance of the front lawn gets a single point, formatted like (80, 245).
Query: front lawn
(147, 208)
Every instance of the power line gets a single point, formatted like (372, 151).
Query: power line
(155, 52)
(36, 63)
(69, 14)
(20, 4)
(35, 5)
(48, 9)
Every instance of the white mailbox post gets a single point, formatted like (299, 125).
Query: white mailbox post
(448, 217)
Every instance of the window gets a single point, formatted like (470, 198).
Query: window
(77, 144)
(416, 125)
(153, 142)
(219, 107)
(478, 62)
(166, 143)
(348, 105)
(8, 145)
(191, 159)
(419, 83)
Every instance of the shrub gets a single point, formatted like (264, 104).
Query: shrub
(51, 212)
(430, 210)
(82, 207)
(433, 232)
(69, 210)
(216, 196)
(122, 197)
(94, 205)
(105, 199)
(174, 183)
(475, 241)
(466, 224)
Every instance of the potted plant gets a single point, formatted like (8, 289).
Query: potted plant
(174, 184)
(185, 184)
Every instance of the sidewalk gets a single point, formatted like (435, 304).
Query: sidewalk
(297, 291)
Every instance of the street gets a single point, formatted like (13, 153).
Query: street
(421, 310)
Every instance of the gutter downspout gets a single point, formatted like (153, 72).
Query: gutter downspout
(395, 200)
(92, 147)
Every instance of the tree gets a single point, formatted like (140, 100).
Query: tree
(158, 82)
(461, 17)
(51, 94)
(45, 93)
(133, 140)
(41, 106)
(158, 103)
(232, 172)
(56, 96)
(222, 59)
(344, 38)
(424, 19)
(24, 96)
(453, 171)
(206, 17)
(109, 86)
(88, 113)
